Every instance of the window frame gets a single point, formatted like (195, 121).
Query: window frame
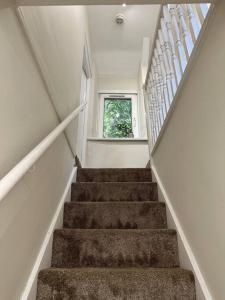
(119, 94)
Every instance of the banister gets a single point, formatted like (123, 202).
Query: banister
(177, 36)
(10, 179)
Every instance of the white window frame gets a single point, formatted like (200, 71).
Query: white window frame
(119, 94)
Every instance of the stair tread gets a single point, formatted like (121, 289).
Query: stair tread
(115, 243)
(116, 283)
(117, 215)
(115, 247)
(114, 174)
(114, 191)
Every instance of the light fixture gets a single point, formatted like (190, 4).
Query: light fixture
(124, 5)
(120, 19)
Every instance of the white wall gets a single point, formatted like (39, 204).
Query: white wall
(114, 154)
(117, 83)
(58, 35)
(117, 154)
(22, 96)
(26, 117)
(185, 257)
(190, 158)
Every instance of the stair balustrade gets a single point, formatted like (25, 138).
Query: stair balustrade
(176, 38)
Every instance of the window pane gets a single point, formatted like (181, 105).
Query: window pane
(117, 118)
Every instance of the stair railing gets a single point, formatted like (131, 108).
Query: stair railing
(177, 36)
(10, 180)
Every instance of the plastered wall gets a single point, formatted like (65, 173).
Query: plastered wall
(190, 157)
(26, 117)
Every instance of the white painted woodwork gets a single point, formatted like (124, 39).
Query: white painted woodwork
(168, 23)
(179, 27)
(187, 41)
(166, 87)
(180, 48)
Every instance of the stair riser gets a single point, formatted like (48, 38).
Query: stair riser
(115, 244)
(115, 248)
(128, 284)
(109, 215)
(114, 175)
(100, 192)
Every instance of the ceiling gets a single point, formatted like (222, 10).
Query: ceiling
(117, 48)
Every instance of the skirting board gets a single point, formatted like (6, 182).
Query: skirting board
(201, 284)
(43, 259)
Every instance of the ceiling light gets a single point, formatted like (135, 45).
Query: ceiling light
(124, 5)
(120, 19)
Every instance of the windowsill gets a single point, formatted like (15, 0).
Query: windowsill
(144, 139)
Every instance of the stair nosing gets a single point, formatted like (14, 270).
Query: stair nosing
(156, 203)
(125, 269)
(117, 169)
(113, 182)
(113, 230)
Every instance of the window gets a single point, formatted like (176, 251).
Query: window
(118, 116)
(117, 121)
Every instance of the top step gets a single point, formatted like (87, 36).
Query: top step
(114, 175)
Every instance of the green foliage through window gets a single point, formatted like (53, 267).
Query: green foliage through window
(117, 118)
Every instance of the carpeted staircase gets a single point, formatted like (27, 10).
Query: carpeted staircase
(115, 243)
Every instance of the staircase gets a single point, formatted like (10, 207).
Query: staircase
(115, 243)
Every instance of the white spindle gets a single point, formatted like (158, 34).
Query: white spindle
(160, 84)
(166, 84)
(204, 8)
(182, 54)
(151, 112)
(168, 53)
(153, 104)
(151, 109)
(176, 64)
(187, 40)
(167, 68)
(178, 31)
(156, 103)
(157, 93)
(154, 122)
(200, 11)
(194, 26)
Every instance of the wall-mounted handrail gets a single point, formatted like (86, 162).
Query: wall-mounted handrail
(10, 179)
(176, 39)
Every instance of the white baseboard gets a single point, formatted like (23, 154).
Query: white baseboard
(43, 259)
(184, 246)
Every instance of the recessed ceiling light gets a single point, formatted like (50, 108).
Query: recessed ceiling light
(124, 5)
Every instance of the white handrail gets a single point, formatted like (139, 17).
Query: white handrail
(10, 180)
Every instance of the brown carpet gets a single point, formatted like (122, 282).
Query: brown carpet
(115, 243)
